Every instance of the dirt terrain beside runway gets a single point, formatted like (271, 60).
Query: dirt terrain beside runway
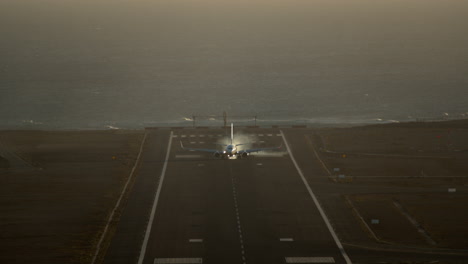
(56, 197)
(406, 171)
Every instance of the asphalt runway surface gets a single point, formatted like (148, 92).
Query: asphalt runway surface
(189, 207)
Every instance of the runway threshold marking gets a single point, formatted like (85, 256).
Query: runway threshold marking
(177, 260)
(317, 204)
(310, 260)
(124, 190)
(155, 203)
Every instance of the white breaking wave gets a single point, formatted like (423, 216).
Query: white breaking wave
(32, 122)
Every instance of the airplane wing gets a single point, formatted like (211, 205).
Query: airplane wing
(258, 150)
(198, 149)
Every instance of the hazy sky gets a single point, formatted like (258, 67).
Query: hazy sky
(173, 50)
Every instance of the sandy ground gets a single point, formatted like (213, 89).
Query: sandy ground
(58, 191)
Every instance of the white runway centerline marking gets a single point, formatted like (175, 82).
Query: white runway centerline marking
(155, 203)
(195, 240)
(286, 239)
(310, 260)
(241, 240)
(317, 204)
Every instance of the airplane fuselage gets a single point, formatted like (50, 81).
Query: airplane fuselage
(230, 151)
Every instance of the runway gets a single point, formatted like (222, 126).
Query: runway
(253, 210)
(189, 207)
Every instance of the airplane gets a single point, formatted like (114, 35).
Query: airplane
(231, 150)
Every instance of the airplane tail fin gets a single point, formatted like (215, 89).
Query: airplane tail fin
(232, 133)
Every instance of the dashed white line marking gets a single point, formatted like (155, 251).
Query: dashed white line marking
(201, 142)
(286, 239)
(193, 142)
(183, 136)
(310, 260)
(317, 204)
(270, 135)
(259, 164)
(201, 165)
(239, 230)
(174, 136)
(155, 203)
(201, 135)
(261, 141)
(195, 240)
(260, 135)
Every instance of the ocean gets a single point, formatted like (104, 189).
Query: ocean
(133, 64)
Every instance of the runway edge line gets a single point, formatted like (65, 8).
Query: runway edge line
(124, 190)
(319, 207)
(155, 203)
